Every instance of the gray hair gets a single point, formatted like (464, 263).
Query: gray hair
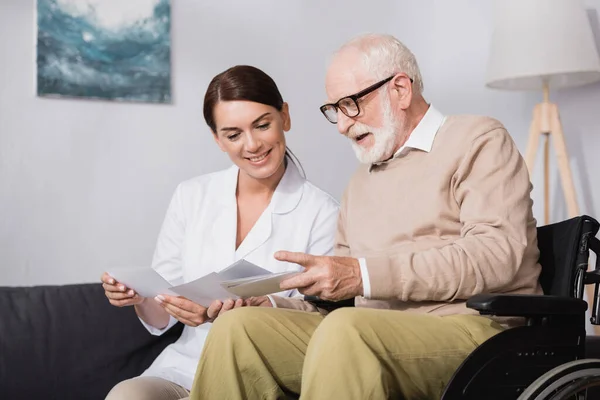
(384, 55)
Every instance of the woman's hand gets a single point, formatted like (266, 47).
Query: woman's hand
(218, 307)
(192, 314)
(260, 301)
(183, 310)
(118, 294)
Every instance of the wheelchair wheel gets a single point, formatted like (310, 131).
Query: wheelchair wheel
(567, 381)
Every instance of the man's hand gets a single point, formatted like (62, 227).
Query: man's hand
(329, 278)
(184, 310)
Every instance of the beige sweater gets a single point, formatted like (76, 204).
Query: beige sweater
(437, 228)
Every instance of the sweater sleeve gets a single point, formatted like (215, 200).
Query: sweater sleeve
(492, 188)
(341, 247)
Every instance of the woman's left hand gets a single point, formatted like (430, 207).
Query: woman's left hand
(184, 310)
(218, 307)
(192, 314)
(260, 301)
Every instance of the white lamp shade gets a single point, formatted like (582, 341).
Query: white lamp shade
(541, 40)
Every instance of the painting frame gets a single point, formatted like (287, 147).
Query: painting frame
(98, 49)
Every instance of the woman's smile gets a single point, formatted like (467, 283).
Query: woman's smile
(260, 159)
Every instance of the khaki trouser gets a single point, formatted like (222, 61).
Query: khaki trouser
(352, 353)
(147, 388)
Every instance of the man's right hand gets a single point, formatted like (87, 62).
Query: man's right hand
(118, 294)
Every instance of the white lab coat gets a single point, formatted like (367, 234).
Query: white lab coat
(198, 237)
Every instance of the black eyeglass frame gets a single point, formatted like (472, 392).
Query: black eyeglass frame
(354, 98)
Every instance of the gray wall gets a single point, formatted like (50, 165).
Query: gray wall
(84, 184)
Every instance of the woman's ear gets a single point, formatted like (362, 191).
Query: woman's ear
(217, 140)
(285, 116)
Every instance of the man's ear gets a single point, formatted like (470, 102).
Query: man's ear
(217, 140)
(402, 90)
(285, 116)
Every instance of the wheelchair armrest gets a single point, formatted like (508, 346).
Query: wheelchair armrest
(524, 305)
(329, 305)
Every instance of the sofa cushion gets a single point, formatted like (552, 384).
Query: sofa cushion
(68, 342)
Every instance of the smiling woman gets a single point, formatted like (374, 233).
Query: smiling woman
(252, 117)
(260, 205)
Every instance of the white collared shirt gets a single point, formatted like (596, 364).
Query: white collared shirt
(421, 138)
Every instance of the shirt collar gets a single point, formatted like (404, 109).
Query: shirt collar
(422, 136)
(289, 191)
(286, 197)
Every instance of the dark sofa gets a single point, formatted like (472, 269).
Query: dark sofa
(68, 342)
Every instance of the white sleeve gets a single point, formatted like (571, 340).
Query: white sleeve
(273, 304)
(364, 272)
(322, 235)
(155, 331)
(321, 238)
(167, 259)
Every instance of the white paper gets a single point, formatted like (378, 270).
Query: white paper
(204, 290)
(145, 281)
(258, 286)
(240, 279)
(242, 269)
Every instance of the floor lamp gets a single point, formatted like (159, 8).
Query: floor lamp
(544, 45)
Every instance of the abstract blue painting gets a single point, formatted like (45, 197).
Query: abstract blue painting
(104, 49)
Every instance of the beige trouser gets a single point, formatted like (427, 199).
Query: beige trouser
(353, 353)
(147, 388)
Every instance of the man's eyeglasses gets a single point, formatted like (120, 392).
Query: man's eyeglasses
(349, 104)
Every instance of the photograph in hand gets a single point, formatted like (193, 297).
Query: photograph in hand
(145, 281)
(241, 279)
(257, 285)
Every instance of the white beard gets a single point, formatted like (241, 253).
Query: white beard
(384, 138)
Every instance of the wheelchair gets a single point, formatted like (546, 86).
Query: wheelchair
(544, 359)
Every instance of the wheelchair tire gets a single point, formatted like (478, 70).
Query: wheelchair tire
(564, 381)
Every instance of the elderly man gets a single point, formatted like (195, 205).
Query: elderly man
(439, 211)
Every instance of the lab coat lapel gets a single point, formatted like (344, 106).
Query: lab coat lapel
(258, 235)
(224, 224)
(286, 197)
